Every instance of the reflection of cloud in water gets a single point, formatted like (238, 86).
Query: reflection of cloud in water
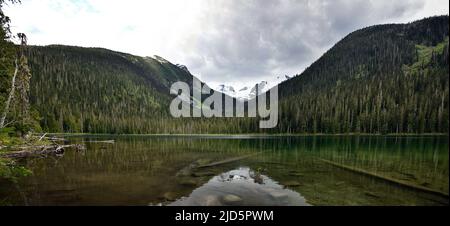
(241, 187)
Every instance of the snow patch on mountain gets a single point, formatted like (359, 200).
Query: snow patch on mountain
(183, 67)
(160, 59)
(229, 90)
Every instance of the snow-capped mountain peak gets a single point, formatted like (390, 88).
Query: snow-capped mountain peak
(247, 93)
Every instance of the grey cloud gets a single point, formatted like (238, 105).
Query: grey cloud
(255, 38)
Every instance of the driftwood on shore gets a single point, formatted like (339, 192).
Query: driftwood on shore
(56, 139)
(42, 137)
(49, 138)
(387, 179)
(40, 150)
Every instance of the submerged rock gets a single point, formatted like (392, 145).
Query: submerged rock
(187, 171)
(212, 200)
(292, 184)
(201, 162)
(203, 174)
(278, 194)
(408, 176)
(232, 199)
(371, 194)
(258, 178)
(170, 196)
(296, 174)
(188, 182)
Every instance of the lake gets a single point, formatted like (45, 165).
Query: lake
(239, 170)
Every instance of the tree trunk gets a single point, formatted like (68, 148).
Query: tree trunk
(11, 94)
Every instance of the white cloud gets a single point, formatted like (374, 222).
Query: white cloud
(138, 27)
(222, 41)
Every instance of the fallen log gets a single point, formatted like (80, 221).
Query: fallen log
(226, 161)
(101, 141)
(54, 139)
(387, 179)
(40, 150)
(188, 170)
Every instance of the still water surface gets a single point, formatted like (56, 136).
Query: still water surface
(229, 170)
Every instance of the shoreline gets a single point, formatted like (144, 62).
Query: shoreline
(254, 135)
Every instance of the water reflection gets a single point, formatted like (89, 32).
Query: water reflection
(242, 187)
(138, 170)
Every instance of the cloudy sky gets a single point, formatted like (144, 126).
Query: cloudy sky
(221, 41)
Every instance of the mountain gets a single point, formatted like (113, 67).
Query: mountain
(97, 90)
(389, 78)
(248, 93)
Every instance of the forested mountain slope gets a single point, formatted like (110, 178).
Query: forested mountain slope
(381, 79)
(96, 90)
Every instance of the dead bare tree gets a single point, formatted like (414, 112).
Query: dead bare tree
(11, 95)
(21, 82)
